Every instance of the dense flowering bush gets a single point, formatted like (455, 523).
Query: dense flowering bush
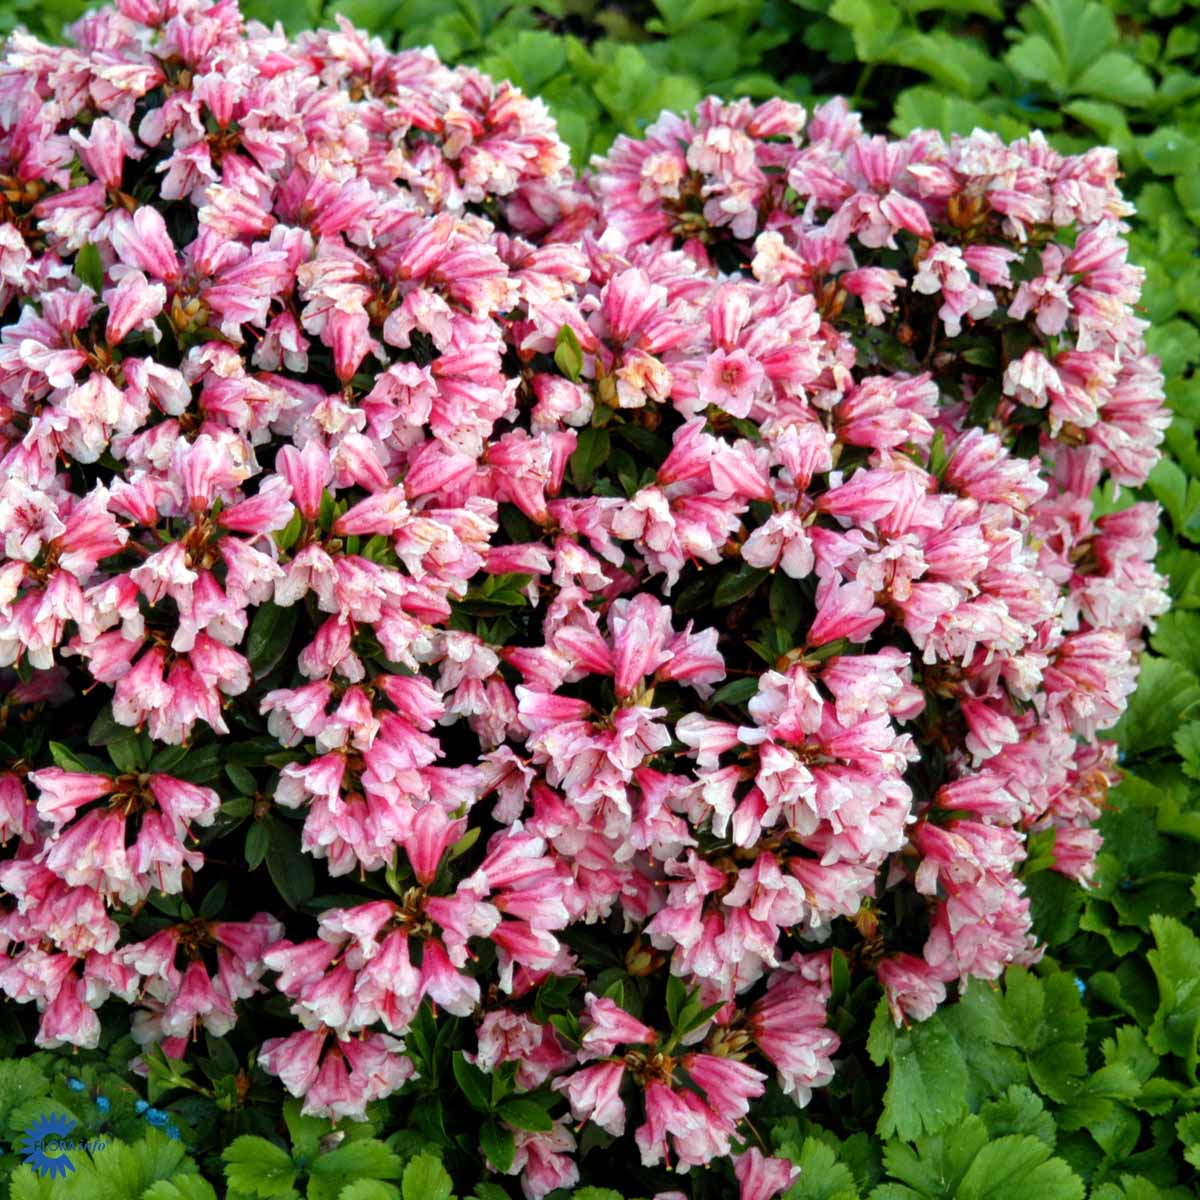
(648, 596)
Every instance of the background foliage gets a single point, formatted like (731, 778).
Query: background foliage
(1079, 1079)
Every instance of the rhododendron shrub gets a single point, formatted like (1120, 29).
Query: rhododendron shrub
(582, 624)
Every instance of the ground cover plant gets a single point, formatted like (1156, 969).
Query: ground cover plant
(672, 609)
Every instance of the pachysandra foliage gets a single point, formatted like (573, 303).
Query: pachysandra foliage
(606, 610)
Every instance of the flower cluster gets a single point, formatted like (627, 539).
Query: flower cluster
(641, 593)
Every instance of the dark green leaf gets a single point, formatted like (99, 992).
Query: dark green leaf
(497, 1143)
(290, 870)
(268, 638)
(522, 1112)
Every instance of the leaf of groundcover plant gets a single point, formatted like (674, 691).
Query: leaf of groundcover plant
(1166, 693)
(1188, 1129)
(1178, 637)
(426, 1179)
(21, 1080)
(25, 1184)
(366, 1157)
(1128, 1188)
(128, 1170)
(258, 1167)
(1175, 961)
(1018, 1166)
(369, 1189)
(183, 1187)
(927, 1077)
(1019, 1110)
(822, 1176)
(1116, 76)
(934, 1165)
(1187, 746)
(990, 1067)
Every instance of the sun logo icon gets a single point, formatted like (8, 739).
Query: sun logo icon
(41, 1145)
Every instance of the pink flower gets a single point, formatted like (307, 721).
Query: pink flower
(64, 793)
(730, 380)
(608, 1026)
(594, 1095)
(762, 1178)
(912, 989)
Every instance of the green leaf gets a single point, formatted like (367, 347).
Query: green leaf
(591, 452)
(426, 1179)
(472, 1082)
(367, 1158)
(258, 1167)
(936, 1164)
(521, 1112)
(89, 267)
(1187, 746)
(737, 692)
(1188, 1129)
(737, 584)
(1116, 77)
(269, 636)
(1016, 1165)
(167, 759)
(24, 1184)
(493, 1191)
(289, 867)
(21, 1080)
(822, 1176)
(497, 1143)
(677, 997)
(1175, 961)
(202, 765)
(258, 841)
(1046, 1020)
(128, 754)
(67, 759)
(306, 1132)
(873, 24)
(568, 355)
(1166, 693)
(927, 1081)
(1178, 637)
(214, 901)
(369, 1189)
(1037, 59)
(184, 1187)
(1170, 151)
(1019, 1110)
